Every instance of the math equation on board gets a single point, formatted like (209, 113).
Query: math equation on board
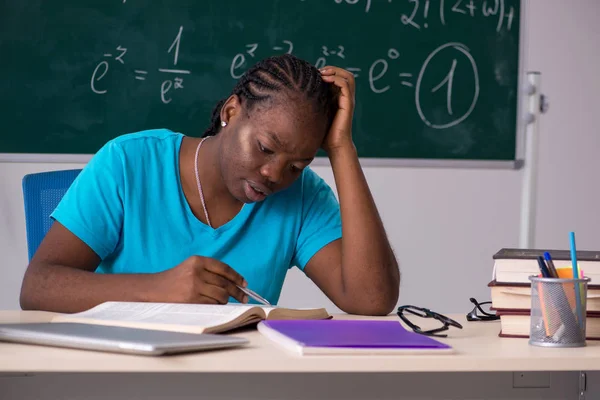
(418, 15)
(174, 75)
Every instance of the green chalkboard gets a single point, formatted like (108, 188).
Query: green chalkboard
(435, 79)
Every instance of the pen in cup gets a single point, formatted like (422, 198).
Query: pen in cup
(543, 295)
(554, 274)
(575, 276)
(550, 264)
(543, 269)
(556, 299)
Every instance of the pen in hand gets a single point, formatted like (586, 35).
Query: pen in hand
(254, 295)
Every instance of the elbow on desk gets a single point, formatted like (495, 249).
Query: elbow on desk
(379, 308)
(377, 297)
(375, 303)
(30, 290)
(25, 301)
(25, 298)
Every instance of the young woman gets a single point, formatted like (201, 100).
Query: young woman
(162, 217)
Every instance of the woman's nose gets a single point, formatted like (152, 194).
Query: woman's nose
(273, 171)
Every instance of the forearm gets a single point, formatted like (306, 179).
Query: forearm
(369, 267)
(66, 290)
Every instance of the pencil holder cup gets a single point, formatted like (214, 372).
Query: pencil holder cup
(558, 312)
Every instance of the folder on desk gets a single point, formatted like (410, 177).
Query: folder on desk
(336, 337)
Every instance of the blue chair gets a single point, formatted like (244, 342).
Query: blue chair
(41, 194)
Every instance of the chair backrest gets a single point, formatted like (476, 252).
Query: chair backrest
(41, 194)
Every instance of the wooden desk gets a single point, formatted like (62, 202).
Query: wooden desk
(478, 348)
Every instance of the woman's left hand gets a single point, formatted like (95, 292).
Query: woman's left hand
(340, 133)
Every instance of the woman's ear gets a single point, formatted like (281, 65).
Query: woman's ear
(231, 109)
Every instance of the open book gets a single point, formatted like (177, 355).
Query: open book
(190, 318)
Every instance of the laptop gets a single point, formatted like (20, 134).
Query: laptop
(115, 339)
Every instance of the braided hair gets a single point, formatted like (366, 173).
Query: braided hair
(276, 74)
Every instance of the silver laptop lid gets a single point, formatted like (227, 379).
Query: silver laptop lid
(114, 338)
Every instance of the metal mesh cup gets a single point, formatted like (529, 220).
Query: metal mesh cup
(555, 319)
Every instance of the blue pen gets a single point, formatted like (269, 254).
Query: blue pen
(550, 263)
(543, 268)
(575, 276)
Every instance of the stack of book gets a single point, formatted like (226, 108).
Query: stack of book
(511, 288)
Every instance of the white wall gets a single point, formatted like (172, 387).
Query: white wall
(445, 224)
(565, 46)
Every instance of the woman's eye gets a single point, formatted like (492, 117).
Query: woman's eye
(264, 149)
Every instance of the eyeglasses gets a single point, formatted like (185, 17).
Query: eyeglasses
(487, 316)
(427, 313)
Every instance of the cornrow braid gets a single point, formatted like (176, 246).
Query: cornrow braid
(273, 75)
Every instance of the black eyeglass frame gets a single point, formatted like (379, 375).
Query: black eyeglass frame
(427, 313)
(472, 316)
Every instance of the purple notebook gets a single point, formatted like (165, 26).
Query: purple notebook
(348, 336)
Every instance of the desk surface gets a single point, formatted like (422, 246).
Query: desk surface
(477, 348)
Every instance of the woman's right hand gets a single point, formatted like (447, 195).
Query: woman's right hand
(200, 280)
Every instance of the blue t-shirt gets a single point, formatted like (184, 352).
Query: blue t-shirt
(128, 205)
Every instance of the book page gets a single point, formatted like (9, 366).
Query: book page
(294, 313)
(163, 313)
